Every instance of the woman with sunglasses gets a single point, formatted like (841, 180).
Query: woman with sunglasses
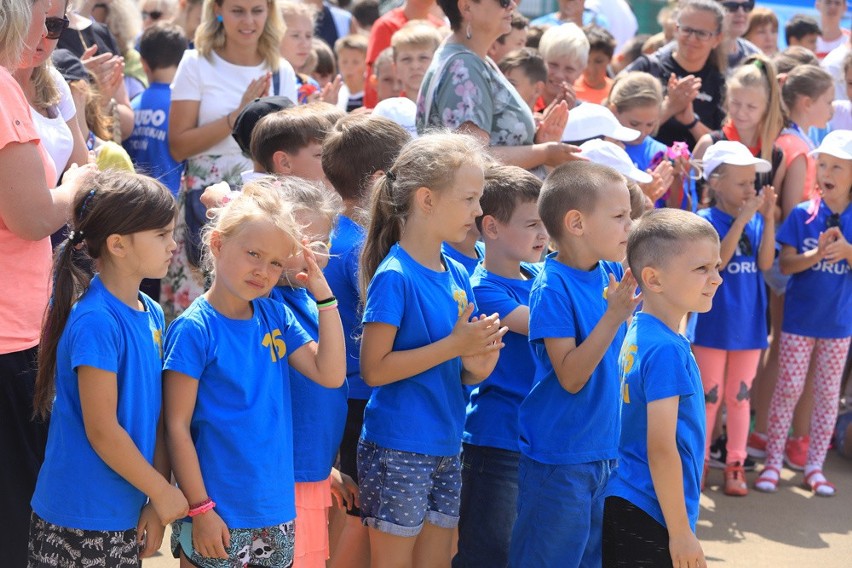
(51, 103)
(691, 71)
(154, 11)
(464, 90)
(29, 212)
(736, 23)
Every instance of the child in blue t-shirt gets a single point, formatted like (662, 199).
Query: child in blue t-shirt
(106, 474)
(161, 48)
(817, 325)
(516, 239)
(354, 153)
(419, 347)
(727, 341)
(652, 500)
(569, 421)
(227, 390)
(319, 413)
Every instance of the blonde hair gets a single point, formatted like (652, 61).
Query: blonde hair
(46, 93)
(355, 42)
(634, 90)
(124, 20)
(415, 34)
(259, 200)
(14, 23)
(210, 35)
(567, 40)
(290, 9)
(757, 71)
(429, 161)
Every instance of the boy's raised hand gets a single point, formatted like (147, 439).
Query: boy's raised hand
(621, 297)
(686, 551)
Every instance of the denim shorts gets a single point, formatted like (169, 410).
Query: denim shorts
(402, 490)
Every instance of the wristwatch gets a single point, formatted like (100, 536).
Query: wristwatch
(691, 125)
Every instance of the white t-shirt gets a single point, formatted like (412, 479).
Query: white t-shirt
(823, 47)
(219, 86)
(833, 63)
(53, 131)
(622, 21)
(842, 119)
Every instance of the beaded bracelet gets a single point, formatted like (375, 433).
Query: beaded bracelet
(202, 507)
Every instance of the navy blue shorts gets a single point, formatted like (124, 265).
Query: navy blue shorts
(402, 490)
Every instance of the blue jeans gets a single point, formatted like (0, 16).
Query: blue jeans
(489, 501)
(560, 514)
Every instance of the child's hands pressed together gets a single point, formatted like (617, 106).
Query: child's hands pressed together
(210, 535)
(836, 248)
(767, 208)
(479, 335)
(621, 297)
(686, 551)
(552, 123)
(149, 531)
(663, 176)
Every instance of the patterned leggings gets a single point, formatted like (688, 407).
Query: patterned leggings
(795, 357)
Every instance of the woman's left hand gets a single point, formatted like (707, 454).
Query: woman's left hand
(552, 123)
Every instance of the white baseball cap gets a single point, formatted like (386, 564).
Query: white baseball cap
(589, 120)
(612, 155)
(400, 110)
(734, 154)
(837, 143)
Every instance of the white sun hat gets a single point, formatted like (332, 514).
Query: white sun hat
(733, 154)
(837, 143)
(612, 155)
(589, 120)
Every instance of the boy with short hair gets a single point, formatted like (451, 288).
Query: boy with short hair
(514, 239)
(413, 47)
(804, 31)
(357, 150)
(383, 78)
(289, 142)
(516, 38)
(161, 48)
(652, 501)
(351, 52)
(594, 84)
(833, 35)
(525, 69)
(569, 423)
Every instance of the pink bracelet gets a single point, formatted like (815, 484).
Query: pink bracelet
(202, 508)
(327, 308)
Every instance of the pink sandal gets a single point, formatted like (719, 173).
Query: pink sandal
(770, 484)
(815, 486)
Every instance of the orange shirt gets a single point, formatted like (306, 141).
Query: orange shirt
(590, 95)
(24, 265)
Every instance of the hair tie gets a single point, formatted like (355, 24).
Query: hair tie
(759, 64)
(86, 202)
(76, 237)
(390, 175)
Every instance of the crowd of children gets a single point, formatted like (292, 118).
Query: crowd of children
(380, 346)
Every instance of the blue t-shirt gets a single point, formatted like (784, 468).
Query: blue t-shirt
(590, 17)
(75, 488)
(347, 240)
(148, 144)
(319, 413)
(818, 301)
(737, 319)
(469, 263)
(657, 363)
(242, 426)
(643, 153)
(492, 413)
(424, 413)
(557, 427)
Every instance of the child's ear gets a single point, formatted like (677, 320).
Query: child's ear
(117, 245)
(574, 223)
(424, 199)
(651, 281)
(215, 243)
(281, 163)
(490, 228)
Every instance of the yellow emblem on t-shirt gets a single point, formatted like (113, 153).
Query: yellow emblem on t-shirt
(460, 296)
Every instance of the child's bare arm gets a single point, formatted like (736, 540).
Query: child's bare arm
(518, 320)
(791, 262)
(667, 476)
(766, 249)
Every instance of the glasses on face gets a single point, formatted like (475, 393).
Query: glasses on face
(702, 35)
(153, 14)
(732, 7)
(744, 245)
(55, 26)
(833, 221)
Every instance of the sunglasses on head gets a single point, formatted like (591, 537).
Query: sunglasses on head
(55, 26)
(744, 245)
(833, 221)
(153, 14)
(732, 7)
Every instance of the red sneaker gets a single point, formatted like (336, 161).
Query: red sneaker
(756, 445)
(796, 452)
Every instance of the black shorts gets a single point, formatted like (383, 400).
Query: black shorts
(349, 444)
(51, 545)
(632, 537)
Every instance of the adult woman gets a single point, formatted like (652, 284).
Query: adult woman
(29, 213)
(464, 90)
(52, 106)
(691, 70)
(236, 59)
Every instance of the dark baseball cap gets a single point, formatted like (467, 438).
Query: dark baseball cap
(251, 115)
(69, 66)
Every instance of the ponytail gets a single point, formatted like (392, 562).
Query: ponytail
(384, 228)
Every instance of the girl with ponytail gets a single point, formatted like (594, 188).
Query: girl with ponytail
(104, 493)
